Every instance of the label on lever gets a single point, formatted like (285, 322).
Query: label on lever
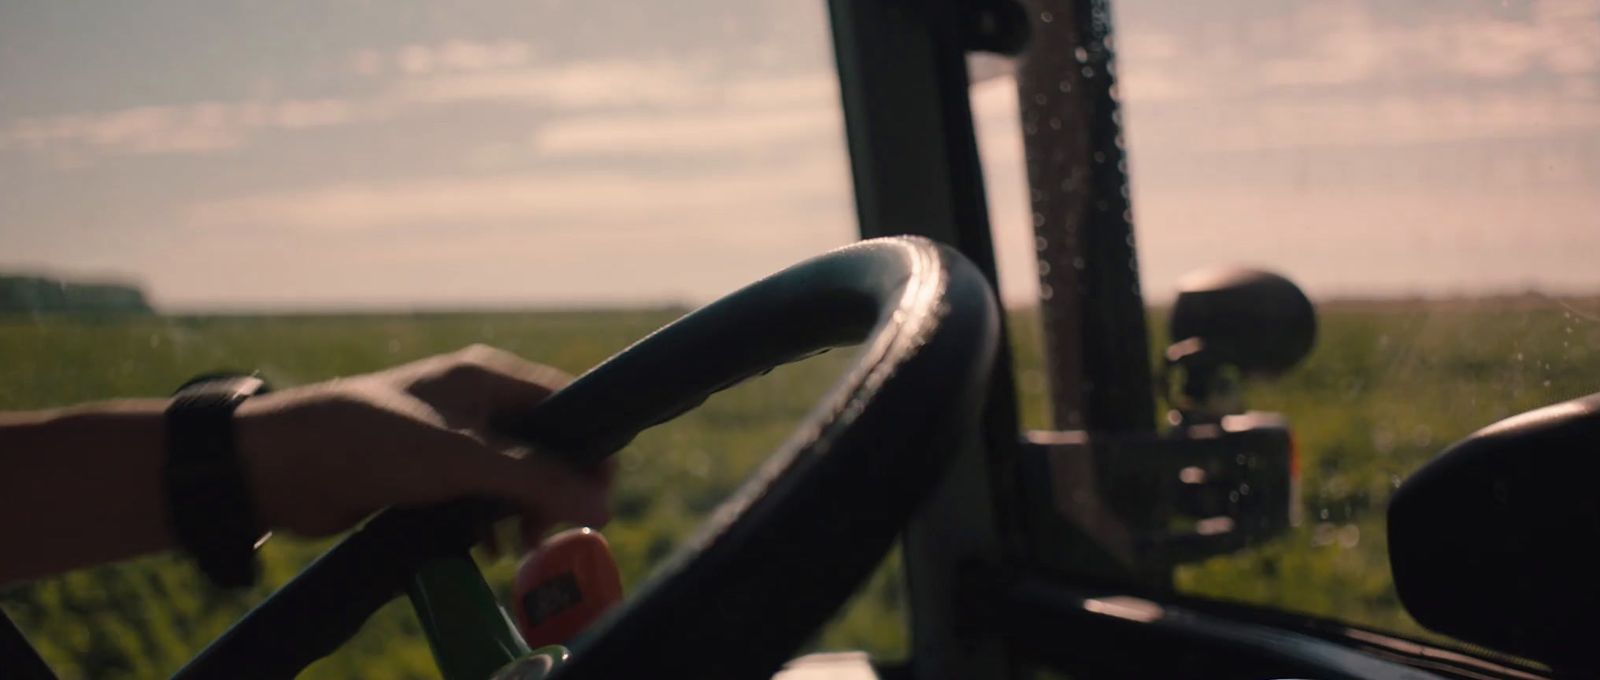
(563, 586)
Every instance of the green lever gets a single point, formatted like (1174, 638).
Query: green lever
(469, 633)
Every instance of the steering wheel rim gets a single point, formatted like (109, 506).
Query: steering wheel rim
(811, 523)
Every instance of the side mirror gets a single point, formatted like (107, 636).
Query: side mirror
(1497, 541)
(1232, 322)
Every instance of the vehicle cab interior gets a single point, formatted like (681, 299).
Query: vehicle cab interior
(854, 298)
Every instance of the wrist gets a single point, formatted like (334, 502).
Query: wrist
(266, 472)
(88, 481)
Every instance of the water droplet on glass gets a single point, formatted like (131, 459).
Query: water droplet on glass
(1040, 99)
(1064, 86)
(1039, 242)
(699, 464)
(1044, 268)
(1382, 440)
(1047, 17)
(1422, 435)
(1078, 262)
(1349, 536)
(1088, 72)
(1046, 292)
(1323, 534)
(1038, 221)
(1082, 55)
(1055, 123)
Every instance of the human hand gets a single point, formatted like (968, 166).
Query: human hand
(321, 457)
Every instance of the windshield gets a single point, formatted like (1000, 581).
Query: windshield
(317, 190)
(1426, 172)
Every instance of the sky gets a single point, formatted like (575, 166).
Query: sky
(491, 153)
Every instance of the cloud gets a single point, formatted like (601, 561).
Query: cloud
(1352, 73)
(204, 127)
(712, 131)
(454, 73)
(443, 57)
(538, 199)
(1392, 120)
(1358, 45)
(772, 90)
(612, 83)
(215, 126)
(1348, 241)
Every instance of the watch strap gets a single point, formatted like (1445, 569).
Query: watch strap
(208, 496)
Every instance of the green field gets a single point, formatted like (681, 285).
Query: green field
(1388, 385)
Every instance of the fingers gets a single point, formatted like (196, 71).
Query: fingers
(481, 385)
(546, 492)
(554, 492)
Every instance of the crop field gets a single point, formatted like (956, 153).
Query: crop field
(1388, 385)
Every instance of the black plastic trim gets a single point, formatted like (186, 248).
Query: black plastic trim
(1115, 635)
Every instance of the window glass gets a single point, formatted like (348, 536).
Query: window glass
(316, 190)
(1426, 171)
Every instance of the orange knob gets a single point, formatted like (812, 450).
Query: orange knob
(563, 586)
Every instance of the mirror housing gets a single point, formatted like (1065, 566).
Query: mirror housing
(1497, 540)
(1256, 321)
(1226, 324)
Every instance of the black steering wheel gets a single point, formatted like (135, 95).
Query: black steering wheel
(779, 557)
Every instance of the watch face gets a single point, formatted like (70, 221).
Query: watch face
(239, 385)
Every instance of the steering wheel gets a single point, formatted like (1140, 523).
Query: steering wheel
(776, 559)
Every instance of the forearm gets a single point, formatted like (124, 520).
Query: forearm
(81, 486)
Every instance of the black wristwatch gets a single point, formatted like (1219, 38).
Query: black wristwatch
(209, 503)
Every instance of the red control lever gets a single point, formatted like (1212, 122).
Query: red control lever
(563, 586)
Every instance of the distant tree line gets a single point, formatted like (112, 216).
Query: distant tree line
(21, 294)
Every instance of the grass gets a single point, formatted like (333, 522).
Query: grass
(1388, 385)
